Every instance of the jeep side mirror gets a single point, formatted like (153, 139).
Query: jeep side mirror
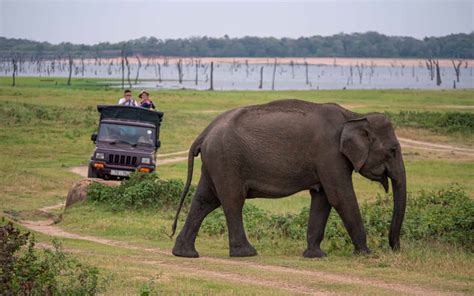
(94, 137)
(158, 144)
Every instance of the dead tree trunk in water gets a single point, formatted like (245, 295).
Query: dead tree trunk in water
(128, 72)
(457, 68)
(247, 68)
(180, 71)
(307, 78)
(261, 78)
(70, 69)
(212, 76)
(123, 67)
(159, 72)
(138, 69)
(292, 69)
(274, 72)
(429, 66)
(15, 70)
(360, 71)
(82, 66)
(438, 76)
(197, 72)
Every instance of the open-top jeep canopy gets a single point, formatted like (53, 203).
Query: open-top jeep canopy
(130, 113)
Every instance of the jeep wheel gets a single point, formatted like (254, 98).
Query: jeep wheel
(91, 173)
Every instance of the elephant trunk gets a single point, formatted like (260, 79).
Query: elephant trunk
(398, 178)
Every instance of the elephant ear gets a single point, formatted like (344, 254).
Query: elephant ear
(355, 142)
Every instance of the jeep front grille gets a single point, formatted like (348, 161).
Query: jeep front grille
(122, 159)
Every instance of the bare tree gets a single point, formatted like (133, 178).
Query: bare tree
(306, 71)
(82, 66)
(261, 78)
(292, 64)
(138, 69)
(71, 62)
(159, 72)
(128, 72)
(457, 68)
(360, 71)
(438, 75)
(123, 66)
(15, 69)
(274, 72)
(198, 63)
(351, 73)
(180, 71)
(247, 68)
(212, 76)
(429, 66)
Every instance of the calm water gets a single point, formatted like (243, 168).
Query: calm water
(234, 76)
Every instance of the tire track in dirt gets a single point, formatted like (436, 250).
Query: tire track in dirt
(415, 144)
(47, 227)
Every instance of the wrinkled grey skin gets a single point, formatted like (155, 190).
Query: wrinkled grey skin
(281, 148)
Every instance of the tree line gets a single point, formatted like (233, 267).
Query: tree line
(369, 44)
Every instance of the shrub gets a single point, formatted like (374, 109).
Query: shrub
(446, 216)
(141, 191)
(26, 270)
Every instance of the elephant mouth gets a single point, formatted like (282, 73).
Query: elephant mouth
(384, 181)
(382, 178)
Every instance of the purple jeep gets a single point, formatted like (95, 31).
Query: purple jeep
(126, 141)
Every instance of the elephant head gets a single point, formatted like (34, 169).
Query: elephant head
(372, 148)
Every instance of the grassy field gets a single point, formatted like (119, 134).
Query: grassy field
(45, 129)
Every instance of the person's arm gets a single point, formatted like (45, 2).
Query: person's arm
(120, 102)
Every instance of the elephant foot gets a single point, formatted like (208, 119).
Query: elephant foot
(314, 253)
(182, 250)
(244, 251)
(362, 251)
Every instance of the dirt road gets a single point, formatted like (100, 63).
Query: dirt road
(273, 276)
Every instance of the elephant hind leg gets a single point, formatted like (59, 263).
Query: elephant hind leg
(204, 202)
(318, 217)
(232, 204)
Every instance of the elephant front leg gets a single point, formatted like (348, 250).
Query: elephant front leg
(318, 217)
(341, 196)
(238, 243)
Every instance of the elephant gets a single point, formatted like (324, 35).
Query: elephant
(283, 147)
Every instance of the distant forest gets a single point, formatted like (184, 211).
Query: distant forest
(370, 44)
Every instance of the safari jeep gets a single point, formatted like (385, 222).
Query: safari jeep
(126, 141)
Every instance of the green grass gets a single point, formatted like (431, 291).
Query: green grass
(45, 129)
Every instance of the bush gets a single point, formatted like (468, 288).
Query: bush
(141, 191)
(29, 271)
(447, 122)
(445, 216)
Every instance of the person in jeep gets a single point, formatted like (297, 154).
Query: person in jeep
(127, 99)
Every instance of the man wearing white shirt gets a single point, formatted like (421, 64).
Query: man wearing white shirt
(127, 99)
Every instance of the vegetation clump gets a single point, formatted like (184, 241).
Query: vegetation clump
(26, 270)
(142, 191)
(444, 216)
(447, 122)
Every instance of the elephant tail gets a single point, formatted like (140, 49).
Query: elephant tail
(193, 152)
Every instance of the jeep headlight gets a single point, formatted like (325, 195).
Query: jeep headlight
(146, 160)
(99, 155)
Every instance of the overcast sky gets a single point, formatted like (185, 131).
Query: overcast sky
(96, 21)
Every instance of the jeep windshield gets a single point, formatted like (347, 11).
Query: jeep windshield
(126, 134)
